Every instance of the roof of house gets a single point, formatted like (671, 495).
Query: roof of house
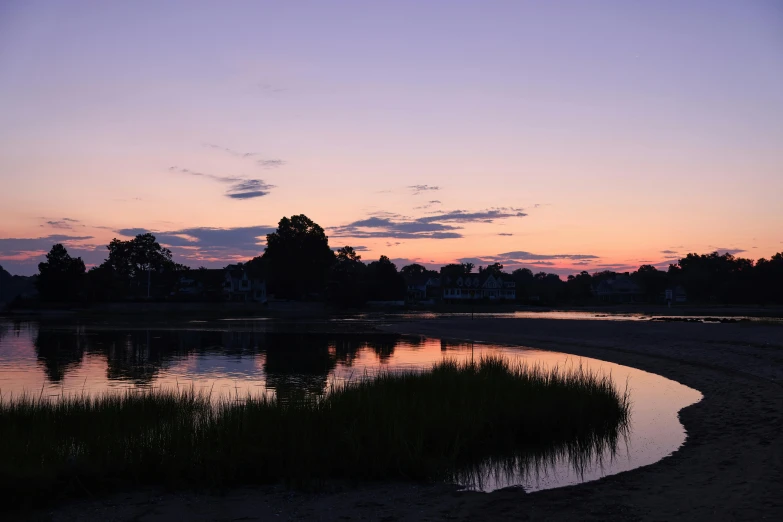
(468, 280)
(618, 285)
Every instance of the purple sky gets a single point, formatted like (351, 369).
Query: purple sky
(582, 134)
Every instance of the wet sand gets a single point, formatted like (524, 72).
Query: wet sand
(730, 468)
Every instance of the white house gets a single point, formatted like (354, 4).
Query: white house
(477, 286)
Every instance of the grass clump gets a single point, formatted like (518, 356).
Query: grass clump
(431, 425)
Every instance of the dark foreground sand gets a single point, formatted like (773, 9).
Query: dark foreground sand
(731, 467)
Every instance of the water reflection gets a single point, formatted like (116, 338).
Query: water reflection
(277, 357)
(236, 358)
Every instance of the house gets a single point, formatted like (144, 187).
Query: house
(675, 295)
(618, 289)
(421, 286)
(477, 286)
(238, 285)
(232, 283)
(433, 288)
(202, 283)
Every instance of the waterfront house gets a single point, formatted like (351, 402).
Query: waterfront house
(421, 286)
(477, 286)
(239, 285)
(619, 289)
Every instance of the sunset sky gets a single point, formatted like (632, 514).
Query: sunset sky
(561, 136)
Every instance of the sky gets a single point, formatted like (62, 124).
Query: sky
(560, 136)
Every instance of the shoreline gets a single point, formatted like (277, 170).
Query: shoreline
(317, 308)
(730, 467)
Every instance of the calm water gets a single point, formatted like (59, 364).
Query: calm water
(237, 357)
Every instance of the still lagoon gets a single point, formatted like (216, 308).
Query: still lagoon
(234, 358)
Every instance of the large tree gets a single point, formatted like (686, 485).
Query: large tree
(413, 270)
(347, 285)
(652, 281)
(297, 258)
(455, 270)
(141, 264)
(61, 276)
(384, 283)
(495, 269)
(135, 257)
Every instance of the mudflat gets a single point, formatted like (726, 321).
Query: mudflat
(730, 468)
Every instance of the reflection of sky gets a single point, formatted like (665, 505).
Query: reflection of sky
(655, 432)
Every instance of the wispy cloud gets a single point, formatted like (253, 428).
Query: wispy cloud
(203, 244)
(360, 248)
(270, 89)
(22, 255)
(270, 163)
(668, 252)
(427, 205)
(522, 256)
(233, 152)
(418, 189)
(505, 234)
(12, 247)
(240, 188)
(266, 163)
(439, 225)
(63, 223)
(464, 216)
(377, 227)
(251, 188)
(723, 250)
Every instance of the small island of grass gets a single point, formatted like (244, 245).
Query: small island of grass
(433, 425)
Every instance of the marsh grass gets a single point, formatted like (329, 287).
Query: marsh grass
(440, 424)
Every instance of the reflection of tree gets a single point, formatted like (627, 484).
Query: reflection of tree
(3, 330)
(346, 348)
(297, 363)
(138, 355)
(383, 348)
(446, 345)
(294, 363)
(58, 351)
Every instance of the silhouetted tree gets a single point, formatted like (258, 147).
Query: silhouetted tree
(413, 270)
(14, 286)
(523, 282)
(133, 258)
(102, 284)
(580, 287)
(348, 255)
(715, 277)
(548, 287)
(455, 270)
(298, 258)
(768, 279)
(384, 283)
(136, 262)
(346, 279)
(495, 269)
(652, 281)
(61, 276)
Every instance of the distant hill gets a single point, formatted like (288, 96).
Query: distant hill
(12, 286)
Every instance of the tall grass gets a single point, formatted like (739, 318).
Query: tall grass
(432, 425)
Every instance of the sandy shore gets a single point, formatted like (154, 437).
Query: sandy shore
(730, 468)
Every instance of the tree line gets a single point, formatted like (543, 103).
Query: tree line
(298, 263)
